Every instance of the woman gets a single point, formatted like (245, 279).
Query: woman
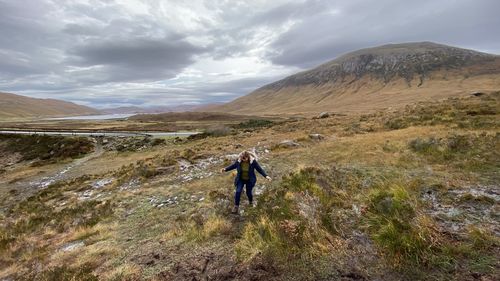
(246, 164)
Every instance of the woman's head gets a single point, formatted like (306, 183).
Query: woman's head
(245, 156)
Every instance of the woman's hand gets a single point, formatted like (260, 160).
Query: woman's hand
(269, 178)
(222, 170)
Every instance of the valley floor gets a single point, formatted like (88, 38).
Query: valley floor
(396, 195)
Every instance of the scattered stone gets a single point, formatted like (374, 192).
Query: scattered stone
(101, 183)
(316, 136)
(324, 115)
(288, 143)
(477, 94)
(72, 246)
(133, 184)
(259, 189)
(86, 195)
(184, 164)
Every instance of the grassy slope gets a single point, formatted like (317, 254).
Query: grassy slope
(356, 205)
(16, 106)
(364, 95)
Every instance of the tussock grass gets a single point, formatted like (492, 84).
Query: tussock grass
(47, 149)
(471, 113)
(127, 271)
(211, 227)
(63, 273)
(395, 224)
(295, 220)
(472, 152)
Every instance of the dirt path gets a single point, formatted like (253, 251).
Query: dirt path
(25, 187)
(62, 172)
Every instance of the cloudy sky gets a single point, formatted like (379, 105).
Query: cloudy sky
(128, 52)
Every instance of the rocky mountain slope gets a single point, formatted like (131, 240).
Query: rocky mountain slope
(13, 106)
(374, 78)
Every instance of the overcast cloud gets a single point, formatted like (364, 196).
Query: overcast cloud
(146, 53)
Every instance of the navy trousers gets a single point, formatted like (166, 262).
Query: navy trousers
(239, 188)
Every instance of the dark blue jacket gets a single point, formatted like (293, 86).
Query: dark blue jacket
(251, 171)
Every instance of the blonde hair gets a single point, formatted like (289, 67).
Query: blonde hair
(247, 154)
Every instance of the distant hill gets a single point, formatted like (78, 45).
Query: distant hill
(151, 109)
(123, 110)
(16, 106)
(375, 78)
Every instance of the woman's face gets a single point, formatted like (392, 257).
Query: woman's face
(244, 158)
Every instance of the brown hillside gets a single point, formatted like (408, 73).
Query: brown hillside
(375, 78)
(15, 106)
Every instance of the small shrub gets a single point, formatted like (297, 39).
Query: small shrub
(218, 131)
(145, 171)
(396, 124)
(158, 141)
(431, 145)
(254, 123)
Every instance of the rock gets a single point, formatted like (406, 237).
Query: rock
(102, 183)
(72, 246)
(238, 145)
(288, 143)
(316, 136)
(324, 115)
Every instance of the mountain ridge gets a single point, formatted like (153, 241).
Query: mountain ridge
(405, 68)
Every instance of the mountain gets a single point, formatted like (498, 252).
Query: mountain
(123, 110)
(375, 78)
(15, 106)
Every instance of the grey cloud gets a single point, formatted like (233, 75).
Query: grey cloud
(139, 59)
(322, 37)
(100, 53)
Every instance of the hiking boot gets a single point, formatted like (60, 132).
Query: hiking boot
(235, 210)
(251, 204)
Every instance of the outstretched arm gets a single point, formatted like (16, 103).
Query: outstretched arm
(260, 170)
(231, 167)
